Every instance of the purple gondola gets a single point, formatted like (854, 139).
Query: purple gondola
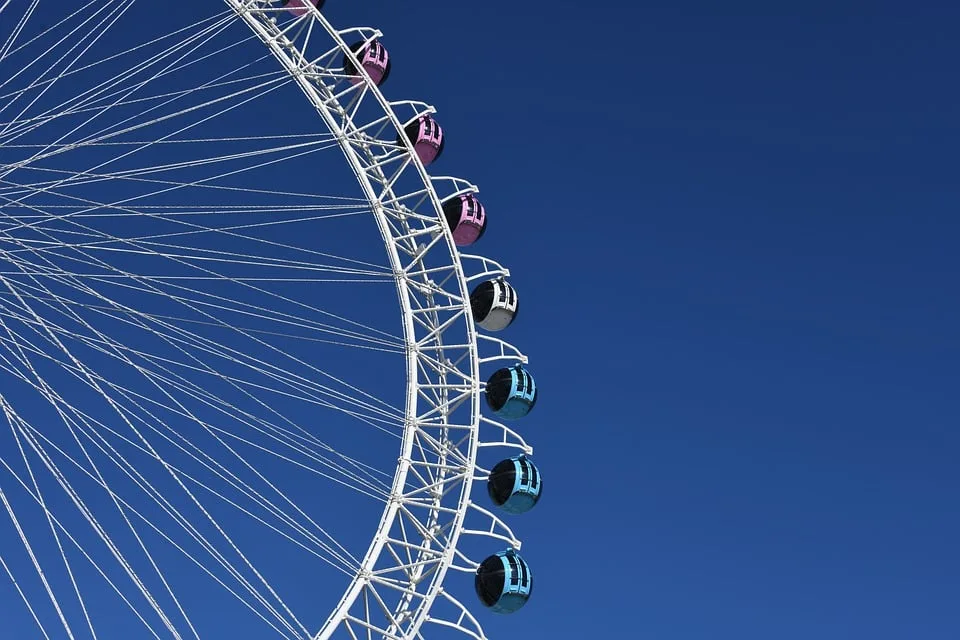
(374, 59)
(467, 218)
(300, 7)
(427, 138)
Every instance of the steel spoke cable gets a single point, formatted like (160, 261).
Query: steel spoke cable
(276, 372)
(103, 136)
(156, 530)
(47, 392)
(347, 565)
(260, 290)
(380, 490)
(13, 578)
(90, 99)
(207, 370)
(176, 478)
(73, 178)
(177, 381)
(215, 18)
(194, 229)
(221, 303)
(80, 548)
(7, 410)
(266, 87)
(179, 320)
(175, 186)
(93, 37)
(12, 38)
(101, 89)
(103, 427)
(259, 341)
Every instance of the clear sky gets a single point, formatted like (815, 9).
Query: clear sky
(734, 227)
(734, 231)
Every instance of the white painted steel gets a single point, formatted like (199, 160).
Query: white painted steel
(429, 509)
(392, 595)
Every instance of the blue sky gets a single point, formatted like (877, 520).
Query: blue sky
(733, 229)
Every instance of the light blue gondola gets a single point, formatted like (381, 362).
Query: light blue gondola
(504, 582)
(515, 484)
(511, 392)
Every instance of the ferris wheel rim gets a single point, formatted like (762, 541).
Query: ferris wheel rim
(422, 220)
(252, 12)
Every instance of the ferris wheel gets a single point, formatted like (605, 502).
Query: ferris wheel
(226, 409)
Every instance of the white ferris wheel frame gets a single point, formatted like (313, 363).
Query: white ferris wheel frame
(401, 576)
